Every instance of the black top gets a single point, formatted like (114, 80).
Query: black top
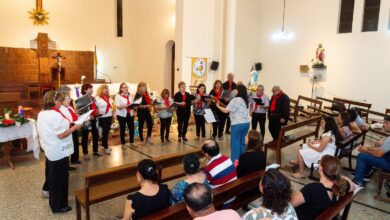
(250, 162)
(282, 107)
(225, 85)
(183, 109)
(316, 200)
(142, 111)
(146, 205)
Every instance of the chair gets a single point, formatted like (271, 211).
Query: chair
(383, 175)
(33, 89)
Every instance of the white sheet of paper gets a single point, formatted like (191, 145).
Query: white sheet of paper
(138, 101)
(209, 116)
(83, 118)
(272, 166)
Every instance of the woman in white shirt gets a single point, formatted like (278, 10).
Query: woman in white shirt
(258, 111)
(125, 115)
(104, 105)
(55, 137)
(313, 151)
(165, 114)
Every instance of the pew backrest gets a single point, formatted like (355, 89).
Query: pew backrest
(344, 203)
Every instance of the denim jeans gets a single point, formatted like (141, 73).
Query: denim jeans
(364, 164)
(237, 140)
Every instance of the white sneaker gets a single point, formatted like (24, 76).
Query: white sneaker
(45, 194)
(107, 151)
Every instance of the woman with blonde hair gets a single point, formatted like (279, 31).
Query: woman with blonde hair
(55, 136)
(125, 115)
(104, 105)
(165, 114)
(143, 112)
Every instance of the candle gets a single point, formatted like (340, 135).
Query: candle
(6, 115)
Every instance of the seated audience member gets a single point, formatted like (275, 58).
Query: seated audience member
(277, 192)
(313, 151)
(191, 166)
(199, 203)
(316, 197)
(152, 197)
(220, 169)
(345, 127)
(254, 159)
(377, 156)
(355, 118)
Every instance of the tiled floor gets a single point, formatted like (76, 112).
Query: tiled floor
(20, 188)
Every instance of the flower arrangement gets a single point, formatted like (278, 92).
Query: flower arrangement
(11, 119)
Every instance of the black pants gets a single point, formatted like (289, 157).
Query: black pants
(45, 186)
(95, 137)
(105, 124)
(200, 125)
(58, 183)
(182, 123)
(227, 123)
(274, 126)
(75, 156)
(142, 118)
(123, 121)
(165, 126)
(259, 118)
(219, 126)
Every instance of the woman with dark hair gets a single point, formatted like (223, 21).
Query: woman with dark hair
(198, 110)
(277, 192)
(316, 197)
(218, 126)
(55, 136)
(152, 197)
(165, 114)
(345, 127)
(239, 118)
(91, 126)
(191, 167)
(183, 111)
(313, 151)
(143, 113)
(125, 115)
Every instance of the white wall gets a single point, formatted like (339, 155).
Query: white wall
(358, 65)
(82, 24)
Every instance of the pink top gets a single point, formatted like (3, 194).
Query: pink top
(227, 214)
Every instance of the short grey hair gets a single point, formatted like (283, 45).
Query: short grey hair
(64, 89)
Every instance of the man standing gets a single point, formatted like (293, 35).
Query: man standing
(229, 85)
(278, 111)
(378, 156)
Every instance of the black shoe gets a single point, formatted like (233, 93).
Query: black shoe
(179, 140)
(63, 210)
(97, 154)
(185, 139)
(76, 162)
(167, 140)
(162, 141)
(72, 168)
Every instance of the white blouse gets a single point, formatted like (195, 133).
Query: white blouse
(65, 111)
(102, 105)
(120, 100)
(50, 124)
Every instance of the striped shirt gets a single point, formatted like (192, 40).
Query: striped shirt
(220, 170)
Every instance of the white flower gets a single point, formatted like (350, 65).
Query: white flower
(83, 77)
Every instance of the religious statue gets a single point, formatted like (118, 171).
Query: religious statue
(59, 59)
(254, 77)
(318, 61)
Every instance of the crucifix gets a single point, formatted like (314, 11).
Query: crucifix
(59, 59)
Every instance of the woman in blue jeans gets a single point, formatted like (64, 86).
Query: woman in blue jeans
(239, 117)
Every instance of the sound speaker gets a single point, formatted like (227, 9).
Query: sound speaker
(214, 65)
(258, 66)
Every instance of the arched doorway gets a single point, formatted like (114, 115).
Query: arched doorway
(169, 79)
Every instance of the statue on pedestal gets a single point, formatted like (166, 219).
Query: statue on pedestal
(59, 59)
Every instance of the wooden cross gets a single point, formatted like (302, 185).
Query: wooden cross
(59, 59)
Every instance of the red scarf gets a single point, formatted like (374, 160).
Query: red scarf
(93, 107)
(57, 110)
(218, 94)
(274, 101)
(166, 101)
(147, 98)
(230, 86)
(200, 103)
(257, 105)
(127, 103)
(72, 113)
(183, 99)
(107, 100)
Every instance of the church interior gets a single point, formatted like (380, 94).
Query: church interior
(327, 58)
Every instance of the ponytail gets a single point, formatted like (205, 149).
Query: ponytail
(339, 186)
(332, 170)
(148, 170)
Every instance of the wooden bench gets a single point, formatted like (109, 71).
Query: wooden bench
(293, 103)
(334, 211)
(283, 140)
(327, 110)
(109, 183)
(382, 176)
(312, 110)
(380, 116)
(350, 103)
(245, 189)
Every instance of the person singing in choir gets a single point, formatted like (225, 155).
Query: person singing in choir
(220, 124)
(165, 111)
(124, 114)
(198, 110)
(183, 111)
(143, 112)
(104, 104)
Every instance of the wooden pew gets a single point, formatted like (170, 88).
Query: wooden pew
(350, 103)
(298, 135)
(344, 203)
(327, 110)
(293, 104)
(109, 183)
(312, 110)
(245, 189)
(380, 116)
